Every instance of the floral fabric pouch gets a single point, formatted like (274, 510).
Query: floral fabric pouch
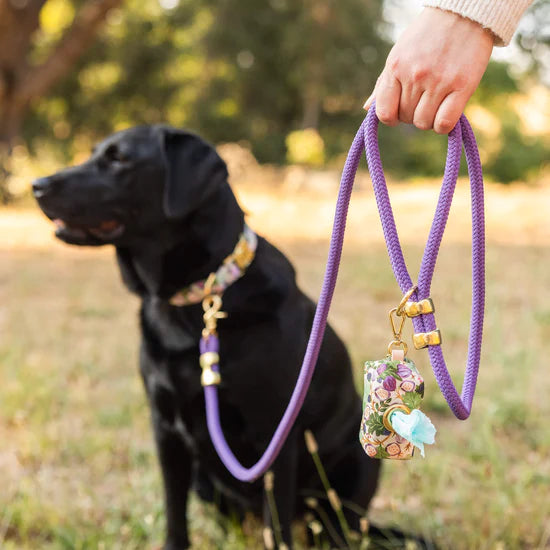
(392, 424)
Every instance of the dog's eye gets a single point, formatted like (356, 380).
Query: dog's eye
(113, 154)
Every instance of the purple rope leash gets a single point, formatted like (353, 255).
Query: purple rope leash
(366, 138)
(462, 133)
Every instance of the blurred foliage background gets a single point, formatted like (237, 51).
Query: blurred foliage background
(72, 71)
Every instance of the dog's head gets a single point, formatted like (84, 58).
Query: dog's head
(135, 182)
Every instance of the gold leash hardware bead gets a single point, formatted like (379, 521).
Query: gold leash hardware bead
(424, 339)
(209, 376)
(414, 309)
(211, 306)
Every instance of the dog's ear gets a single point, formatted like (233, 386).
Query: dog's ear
(193, 171)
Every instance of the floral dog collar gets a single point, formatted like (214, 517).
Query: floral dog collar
(232, 268)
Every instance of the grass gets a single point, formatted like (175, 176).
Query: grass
(77, 463)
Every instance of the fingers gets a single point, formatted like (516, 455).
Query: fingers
(410, 96)
(388, 94)
(432, 70)
(435, 109)
(427, 108)
(449, 111)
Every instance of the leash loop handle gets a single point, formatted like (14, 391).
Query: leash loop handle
(461, 135)
(366, 138)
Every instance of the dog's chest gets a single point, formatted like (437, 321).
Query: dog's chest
(176, 331)
(171, 371)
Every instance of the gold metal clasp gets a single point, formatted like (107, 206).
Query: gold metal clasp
(424, 339)
(208, 284)
(397, 331)
(399, 311)
(212, 312)
(397, 344)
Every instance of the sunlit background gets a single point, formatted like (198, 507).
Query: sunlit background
(278, 86)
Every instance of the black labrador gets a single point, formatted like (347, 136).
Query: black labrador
(161, 197)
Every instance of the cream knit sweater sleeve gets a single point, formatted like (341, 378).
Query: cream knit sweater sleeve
(501, 17)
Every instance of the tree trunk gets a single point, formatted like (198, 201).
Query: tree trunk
(320, 15)
(20, 82)
(11, 118)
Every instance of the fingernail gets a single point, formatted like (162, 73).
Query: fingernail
(368, 102)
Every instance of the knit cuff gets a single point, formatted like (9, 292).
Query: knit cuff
(501, 17)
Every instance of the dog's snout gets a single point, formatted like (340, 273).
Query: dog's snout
(41, 187)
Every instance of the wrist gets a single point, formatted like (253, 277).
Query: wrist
(456, 22)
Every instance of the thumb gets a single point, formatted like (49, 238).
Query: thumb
(369, 101)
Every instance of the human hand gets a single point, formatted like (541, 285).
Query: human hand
(432, 71)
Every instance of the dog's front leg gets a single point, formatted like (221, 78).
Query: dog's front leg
(176, 464)
(283, 491)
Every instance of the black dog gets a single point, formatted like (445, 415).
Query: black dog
(161, 197)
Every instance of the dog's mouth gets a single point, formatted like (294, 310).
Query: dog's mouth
(106, 231)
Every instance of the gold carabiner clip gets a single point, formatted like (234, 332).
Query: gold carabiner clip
(212, 312)
(396, 332)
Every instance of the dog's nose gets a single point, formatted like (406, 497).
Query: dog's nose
(41, 187)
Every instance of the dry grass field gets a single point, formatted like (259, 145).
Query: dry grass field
(77, 463)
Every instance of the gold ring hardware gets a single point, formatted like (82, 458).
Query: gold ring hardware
(397, 343)
(424, 339)
(413, 309)
(389, 411)
(405, 299)
(208, 284)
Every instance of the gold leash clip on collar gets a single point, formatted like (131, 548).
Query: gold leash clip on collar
(211, 305)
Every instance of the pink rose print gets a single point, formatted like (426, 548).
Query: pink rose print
(371, 450)
(393, 449)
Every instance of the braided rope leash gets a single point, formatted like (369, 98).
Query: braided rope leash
(366, 139)
(462, 133)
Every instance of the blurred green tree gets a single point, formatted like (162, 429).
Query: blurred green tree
(230, 69)
(534, 38)
(26, 75)
(294, 65)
